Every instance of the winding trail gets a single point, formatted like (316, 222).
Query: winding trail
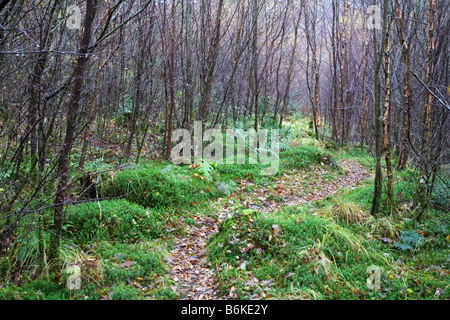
(190, 268)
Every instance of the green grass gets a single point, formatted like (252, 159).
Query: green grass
(304, 156)
(292, 250)
(357, 154)
(115, 221)
(161, 186)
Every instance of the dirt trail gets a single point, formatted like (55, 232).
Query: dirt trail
(293, 191)
(190, 267)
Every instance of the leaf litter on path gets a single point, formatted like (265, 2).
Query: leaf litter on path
(190, 267)
(301, 186)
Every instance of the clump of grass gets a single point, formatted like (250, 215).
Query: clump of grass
(346, 237)
(90, 265)
(345, 211)
(316, 260)
(25, 255)
(382, 228)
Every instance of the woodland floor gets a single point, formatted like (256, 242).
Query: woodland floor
(190, 268)
(227, 232)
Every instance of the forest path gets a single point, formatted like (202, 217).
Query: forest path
(190, 267)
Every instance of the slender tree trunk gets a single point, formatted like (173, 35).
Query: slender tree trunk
(334, 112)
(63, 162)
(407, 93)
(230, 87)
(426, 138)
(343, 62)
(365, 94)
(171, 82)
(138, 89)
(386, 116)
(254, 76)
(313, 47)
(378, 117)
(94, 101)
(279, 98)
(87, 132)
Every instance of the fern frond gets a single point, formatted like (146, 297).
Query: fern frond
(409, 240)
(206, 170)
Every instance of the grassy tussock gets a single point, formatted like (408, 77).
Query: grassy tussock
(346, 212)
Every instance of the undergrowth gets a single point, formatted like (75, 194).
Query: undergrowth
(319, 250)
